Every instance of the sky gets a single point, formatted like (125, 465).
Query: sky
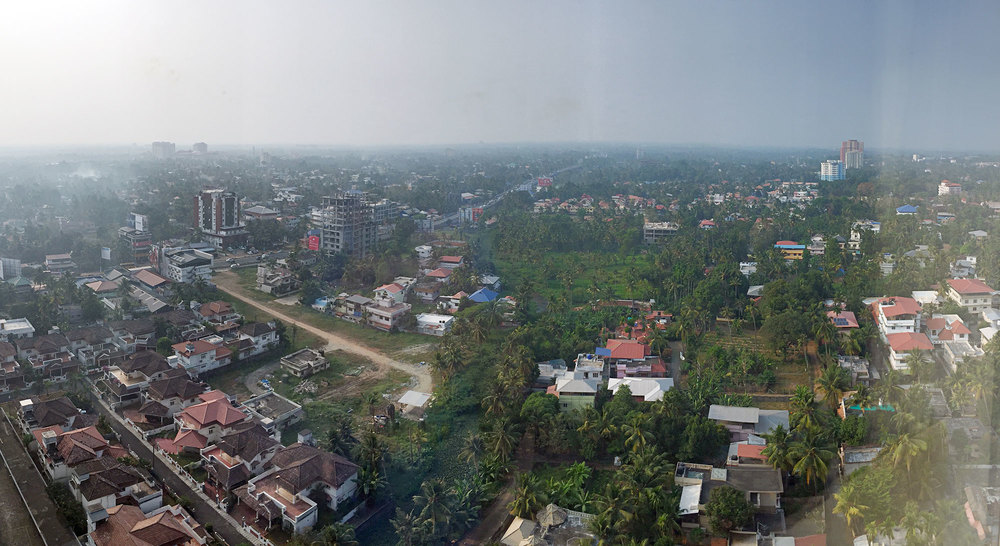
(907, 76)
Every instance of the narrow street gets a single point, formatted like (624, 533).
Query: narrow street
(199, 507)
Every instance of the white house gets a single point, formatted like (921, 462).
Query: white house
(199, 356)
(433, 324)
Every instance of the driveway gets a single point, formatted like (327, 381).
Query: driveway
(228, 282)
(252, 379)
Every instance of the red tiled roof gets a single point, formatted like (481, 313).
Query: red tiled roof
(852, 320)
(440, 272)
(811, 540)
(749, 451)
(451, 259)
(909, 341)
(936, 323)
(391, 288)
(959, 328)
(198, 347)
(218, 411)
(970, 286)
(626, 348)
(190, 438)
(893, 307)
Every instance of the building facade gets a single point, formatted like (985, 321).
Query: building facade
(832, 170)
(217, 216)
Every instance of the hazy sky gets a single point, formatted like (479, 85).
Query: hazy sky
(907, 75)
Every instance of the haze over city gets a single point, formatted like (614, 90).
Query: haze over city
(787, 74)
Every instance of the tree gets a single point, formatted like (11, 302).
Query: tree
(526, 501)
(811, 454)
(336, 534)
(537, 409)
(907, 449)
(311, 292)
(728, 509)
(434, 505)
(472, 449)
(778, 448)
(832, 384)
(852, 506)
(164, 346)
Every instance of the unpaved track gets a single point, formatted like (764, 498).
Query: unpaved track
(228, 282)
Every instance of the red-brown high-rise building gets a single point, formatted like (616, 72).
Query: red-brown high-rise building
(852, 154)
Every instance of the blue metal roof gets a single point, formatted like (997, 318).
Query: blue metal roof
(483, 295)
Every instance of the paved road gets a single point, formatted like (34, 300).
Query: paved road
(228, 282)
(30, 482)
(200, 509)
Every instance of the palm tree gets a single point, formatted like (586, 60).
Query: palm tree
(526, 501)
(805, 415)
(907, 449)
(434, 505)
(832, 383)
(811, 454)
(912, 522)
(495, 401)
(636, 438)
(849, 503)
(472, 449)
(777, 449)
(336, 534)
(919, 365)
(500, 441)
(863, 397)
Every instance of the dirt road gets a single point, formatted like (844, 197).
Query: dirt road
(228, 282)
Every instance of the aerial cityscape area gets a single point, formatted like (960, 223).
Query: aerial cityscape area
(520, 274)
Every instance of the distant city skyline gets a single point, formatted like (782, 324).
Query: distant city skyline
(899, 75)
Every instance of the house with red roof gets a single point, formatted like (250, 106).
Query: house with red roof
(843, 320)
(902, 344)
(197, 356)
(391, 293)
(706, 224)
(61, 451)
(451, 262)
(440, 274)
(896, 314)
(972, 294)
(946, 328)
(203, 424)
(284, 494)
(167, 525)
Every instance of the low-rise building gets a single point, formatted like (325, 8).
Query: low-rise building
(741, 422)
(277, 281)
(386, 317)
(972, 294)
(433, 324)
(643, 389)
(273, 411)
(283, 493)
(897, 315)
(902, 344)
(263, 336)
(574, 391)
(127, 524)
(14, 329)
(57, 264)
(199, 356)
(654, 232)
(304, 362)
(186, 265)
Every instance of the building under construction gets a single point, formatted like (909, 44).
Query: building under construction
(352, 223)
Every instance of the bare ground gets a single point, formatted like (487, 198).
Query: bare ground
(229, 283)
